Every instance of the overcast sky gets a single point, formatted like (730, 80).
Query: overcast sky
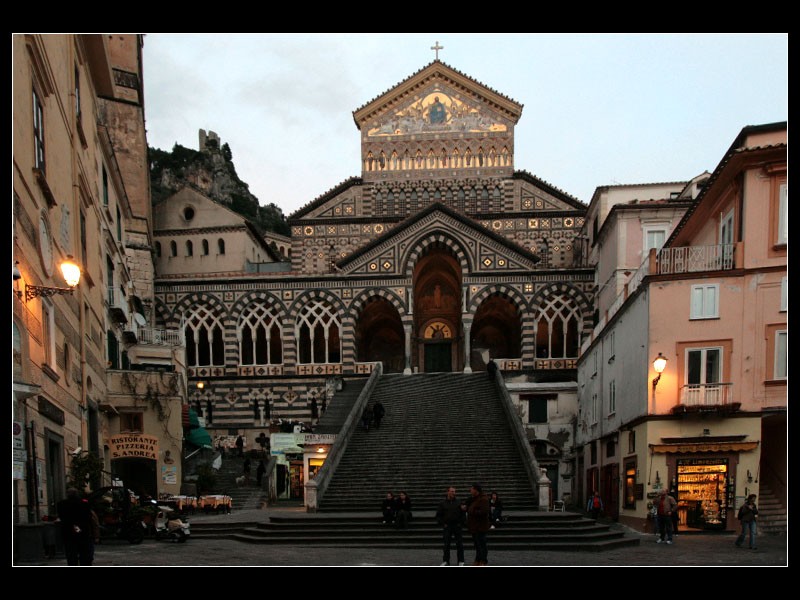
(598, 109)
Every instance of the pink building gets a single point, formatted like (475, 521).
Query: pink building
(712, 426)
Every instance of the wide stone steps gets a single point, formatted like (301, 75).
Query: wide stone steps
(440, 429)
(554, 531)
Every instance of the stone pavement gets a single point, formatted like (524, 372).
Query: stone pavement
(693, 549)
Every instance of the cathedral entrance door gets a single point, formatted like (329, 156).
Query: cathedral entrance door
(438, 357)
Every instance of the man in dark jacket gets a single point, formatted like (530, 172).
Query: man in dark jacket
(450, 515)
(75, 516)
(478, 523)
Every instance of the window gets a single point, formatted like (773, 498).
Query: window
(77, 92)
(112, 345)
(611, 448)
(131, 422)
(220, 246)
(259, 336)
(105, 185)
(173, 248)
(158, 249)
(537, 406)
(593, 416)
(784, 293)
(630, 484)
(205, 247)
(703, 376)
(654, 237)
(189, 248)
(83, 238)
(38, 133)
(119, 225)
(612, 397)
(783, 214)
(781, 350)
(557, 329)
(705, 301)
(631, 442)
(204, 343)
(317, 332)
(592, 453)
(611, 350)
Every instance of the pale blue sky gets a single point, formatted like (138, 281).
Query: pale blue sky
(599, 109)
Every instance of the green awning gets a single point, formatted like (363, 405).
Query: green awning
(195, 434)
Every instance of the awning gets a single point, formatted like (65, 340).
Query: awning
(704, 447)
(195, 434)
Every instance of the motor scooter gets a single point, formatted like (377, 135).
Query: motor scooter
(170, 527)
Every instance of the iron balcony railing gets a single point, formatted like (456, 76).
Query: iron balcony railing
(160, 337)
(694, 259)
(707, 394)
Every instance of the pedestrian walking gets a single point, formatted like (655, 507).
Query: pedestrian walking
(665, 507)
(595, 505)
(748, 514)
(478, 523)
(491, 369)
(240, 445)
(366, 417)
(378, 412)
(262, 468)
(246, 468)
(450, 515)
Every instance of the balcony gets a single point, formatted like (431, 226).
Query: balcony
(117, 305)
(160, 337)
(706, 397)
(695, 259)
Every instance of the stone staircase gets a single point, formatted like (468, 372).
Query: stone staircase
(340, 406)
(247, 496)
(558, 531)
(440, 429)
(771, 513)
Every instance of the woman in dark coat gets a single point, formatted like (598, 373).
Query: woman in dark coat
(403, 510)
(389, 508)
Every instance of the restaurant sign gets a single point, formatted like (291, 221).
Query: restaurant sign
(133, 445)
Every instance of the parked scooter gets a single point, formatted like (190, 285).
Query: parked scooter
(169, 525)
(117, 520)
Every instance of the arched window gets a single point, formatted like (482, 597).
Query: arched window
(205, 247)
(220, 246)
(395, 165)
(259, 334)
(317, 333)
(557, 329)
(173, 248)
(189, 248)
(204, 344)
(431, 159)
(158, 249)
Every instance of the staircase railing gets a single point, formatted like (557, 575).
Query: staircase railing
(315, 489)
(540, 483)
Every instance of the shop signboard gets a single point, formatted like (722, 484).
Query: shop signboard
(133, 445)
(286, 443)
(319, 438)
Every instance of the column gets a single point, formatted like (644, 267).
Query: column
(467, 351)
(407, 330)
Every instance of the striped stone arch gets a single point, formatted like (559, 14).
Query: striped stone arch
(500, 289)
(356, 307)
(457, 246)
(271, 300)
(562, 290)
(361, 300)
(290, 348)
(163, 314)
(214, 304)
(565, 289)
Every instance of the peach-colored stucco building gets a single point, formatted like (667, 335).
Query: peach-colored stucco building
(711, 428)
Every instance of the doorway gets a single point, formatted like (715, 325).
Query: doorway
(438, 357)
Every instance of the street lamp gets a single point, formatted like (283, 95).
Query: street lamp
(72, 275)
(659, 364)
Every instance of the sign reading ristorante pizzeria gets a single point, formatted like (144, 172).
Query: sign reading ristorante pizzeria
(133, 445)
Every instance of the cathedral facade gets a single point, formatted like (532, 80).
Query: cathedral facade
(437, 257)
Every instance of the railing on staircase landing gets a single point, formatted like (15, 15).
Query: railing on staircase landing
(315, 489)
(541, 485)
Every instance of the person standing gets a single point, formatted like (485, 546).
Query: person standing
(75, 515)
(450, 515)
(495, 509)
(491, 369)
(378, 411)
(262, 468)
(246, 469)
(240, 446)
(665, 507)
(595, 505)
(747, 515)
(366, 417)
(478, 523)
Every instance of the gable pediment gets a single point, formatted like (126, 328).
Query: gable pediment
(394, 253)
(437, 98)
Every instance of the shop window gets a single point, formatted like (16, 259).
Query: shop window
(630, 484)
(703, 497)
(131, 422)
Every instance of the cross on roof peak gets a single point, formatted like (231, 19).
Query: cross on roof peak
(436, 49)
